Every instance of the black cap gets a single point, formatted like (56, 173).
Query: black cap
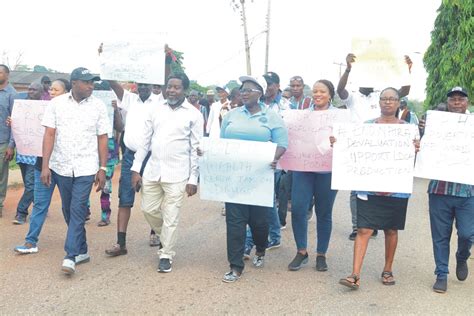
(460, 90)
(83, 74)
(271, 77)
(45, 79)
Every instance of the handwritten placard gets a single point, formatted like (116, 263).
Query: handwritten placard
(447, 148)
(309, 148)
(237, 171)
(138, 61)
(107, 96)
(378, 64)
(26, 126)
(374, 157)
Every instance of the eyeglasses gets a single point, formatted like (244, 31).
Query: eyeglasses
(248, 90)
(391, 99)
(459, 99)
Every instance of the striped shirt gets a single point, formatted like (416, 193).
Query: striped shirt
(172, 136)
(450, 188)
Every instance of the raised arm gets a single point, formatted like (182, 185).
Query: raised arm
(341, 86)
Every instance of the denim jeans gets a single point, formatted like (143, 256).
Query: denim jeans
(75, 193)
(274, 227)
(307, 185)
(40, 207)
(3, 175)
(444, 209)
(238, 216)
(126, 192)
(353, 206)
(28, 176)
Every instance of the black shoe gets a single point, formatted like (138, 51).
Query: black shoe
(353, 235)
(165, 265)
(321, 264)
(298, 261)
(461, 270)
(374, 234)
(440, 286)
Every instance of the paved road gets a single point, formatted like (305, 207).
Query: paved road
(33, 284)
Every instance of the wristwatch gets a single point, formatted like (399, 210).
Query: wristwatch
(103, 168)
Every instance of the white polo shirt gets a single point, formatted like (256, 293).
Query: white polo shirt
(173, 136)
(363, 108)
(134, 112)
(75, 152)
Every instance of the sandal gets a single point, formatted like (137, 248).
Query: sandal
(352, 281)
(387, 278)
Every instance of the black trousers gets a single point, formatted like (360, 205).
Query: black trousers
(237, 217)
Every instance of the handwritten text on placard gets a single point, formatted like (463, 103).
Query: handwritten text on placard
(374, 157)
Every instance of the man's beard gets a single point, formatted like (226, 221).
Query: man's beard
(174, 101)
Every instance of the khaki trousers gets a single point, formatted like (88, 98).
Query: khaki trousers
(161, 203)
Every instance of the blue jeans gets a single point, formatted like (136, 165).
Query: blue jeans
(305, 186)
(40, 207)
(126, 192)
(274, 227)
(75, 193)
(444, 209)
(28, 176)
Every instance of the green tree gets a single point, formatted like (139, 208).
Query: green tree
(449, 59)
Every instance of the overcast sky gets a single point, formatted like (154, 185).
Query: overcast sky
(307, 36)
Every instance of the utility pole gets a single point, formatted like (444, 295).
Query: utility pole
(267, 47)
(246, 38)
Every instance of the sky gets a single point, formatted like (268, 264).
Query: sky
(307, 37)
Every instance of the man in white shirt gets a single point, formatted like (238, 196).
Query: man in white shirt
(213, 127)
(74, 142)
(172, 134)
(364, 106)
(137, 107)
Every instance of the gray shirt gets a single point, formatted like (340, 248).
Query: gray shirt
(7, 95)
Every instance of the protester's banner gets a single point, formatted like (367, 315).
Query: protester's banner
(378, 64)
(107, 96)
(26, 126)
(309, 148)
(447, 148)
(237, 171)
(139, 61)
(374, 157)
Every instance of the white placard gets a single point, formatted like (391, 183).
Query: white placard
(138, 61)
(26, 126)
(237, 171)
(447, 148)
(374, 157)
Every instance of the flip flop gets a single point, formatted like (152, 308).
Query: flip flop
(352, 284)
(387, 278)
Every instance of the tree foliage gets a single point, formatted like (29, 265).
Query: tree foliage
(449, 59)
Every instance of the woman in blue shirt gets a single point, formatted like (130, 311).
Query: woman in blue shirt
(379, 210)
(255, 123)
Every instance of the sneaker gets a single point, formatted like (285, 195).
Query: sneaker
(298, 261)
(258, 261)
(68, 267)
(353, 235)
(230, 277)
(84, 258)
(374, 234)
(19, 220)
(273, 245)
(26, 249)
(321, 264)
(165, 265)
(116, 250)
(461, 270)
(247, 252)
(155, 241)
(440, 286)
